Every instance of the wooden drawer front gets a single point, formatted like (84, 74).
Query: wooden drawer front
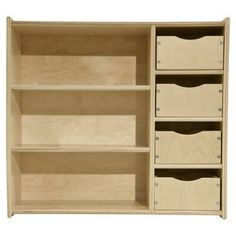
(176, 148)
(175, 53)
(199, 194)
(202, 101)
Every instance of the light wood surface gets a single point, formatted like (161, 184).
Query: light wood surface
(82, 176)
(189, 72)
(78, 148)
(175, 53)
(188, 166)
(72, 88)
(200, 194)
(83, 60)
(198, 148)
(80, 206)
(203, 101)
(225, 119)
(83, 118)
(81, 113)
(188, 119)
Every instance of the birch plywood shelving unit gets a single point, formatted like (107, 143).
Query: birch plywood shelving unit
(117, 117)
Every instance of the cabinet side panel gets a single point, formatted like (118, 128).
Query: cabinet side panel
(225, 120)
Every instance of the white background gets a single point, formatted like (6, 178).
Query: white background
(120, 10)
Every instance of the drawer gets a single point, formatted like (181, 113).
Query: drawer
(200, 101)
(175, 53)
(198, 194)
(199, 148)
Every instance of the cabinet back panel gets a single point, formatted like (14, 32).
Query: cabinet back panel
(97, 118)
(84, 176)
(84, 60)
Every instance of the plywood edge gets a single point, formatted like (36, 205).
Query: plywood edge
(188, 166)
(8, 116)
(225, 118)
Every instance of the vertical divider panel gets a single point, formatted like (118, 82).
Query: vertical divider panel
(152, 115)
(225, 120)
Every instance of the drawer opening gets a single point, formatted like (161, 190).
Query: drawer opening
(190, 32)
(188, 127)
(187, 175)
(189, 80)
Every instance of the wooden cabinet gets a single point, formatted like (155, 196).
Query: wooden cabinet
(98, 113)
(203, 53)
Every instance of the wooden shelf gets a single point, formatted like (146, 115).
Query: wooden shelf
(189, 72)
(79, 148)
(187, 166)
(81, 207)
(188, 119)
(119, 88)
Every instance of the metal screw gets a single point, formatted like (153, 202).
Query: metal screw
(158, 91)
(218, 138)
(158, 42)
(217, 185)
(220, 61)
(220, 109)
(158, 61)
(157, 138)
(156, 202)
(221, 91)
(219, 156)
(156, 184)
(158, 109)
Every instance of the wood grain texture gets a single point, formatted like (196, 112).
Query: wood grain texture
(79, 148)
(198, 148)
(200, 101)
(202, 53)
(80, 206)
(93, 118)
(200, 194)
(81, 117)
(83, 60)
(103, 88)
(84, 176)
(225, 118)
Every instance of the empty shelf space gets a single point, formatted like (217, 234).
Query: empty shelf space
(109, 57)
(80, 181)
(112, 206)
(97, 120)
(190, 119)
(189, 72)
(78, 148)
(187, 166)
(102, 88)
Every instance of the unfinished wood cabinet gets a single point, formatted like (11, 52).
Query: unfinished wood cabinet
(97, 113)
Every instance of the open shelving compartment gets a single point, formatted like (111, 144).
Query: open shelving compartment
(80, 103)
